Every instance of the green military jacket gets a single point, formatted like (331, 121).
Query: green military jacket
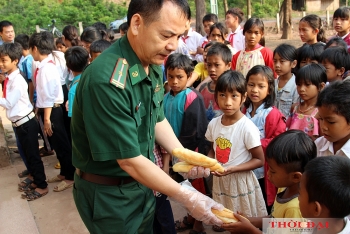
(115, 110)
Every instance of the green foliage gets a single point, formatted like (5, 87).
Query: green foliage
(268, 9)
(25, 14)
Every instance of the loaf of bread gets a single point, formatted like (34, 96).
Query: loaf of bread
(194, 158)
(186, 167)
(225, 215)
(182, 167)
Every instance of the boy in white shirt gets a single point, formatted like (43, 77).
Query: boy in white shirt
(333, 105)
(49, 100)
(19, 111)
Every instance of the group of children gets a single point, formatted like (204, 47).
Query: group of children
(40, 80)
(269, 113)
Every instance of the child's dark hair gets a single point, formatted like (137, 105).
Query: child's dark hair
(236, 12)
(315, 22)
(124, 27)
(179, 61)
(267, 73)
(312, 73)
(338, 41)
(221, 50)
(60, 41)
(13, 50)
(255, 22)
(209, 44)
(328, 183)
(70, 33)
(336, 96)
(77, 58)
(23, 39)
(222, 29)
(336, 56)
(292, 150)
(91, 34)
(210, 18)
(44, 41)
(230, 81)
(100, 26)
(286, 51)
(312, 52)
(342, 12)
(110, 34)
(99, 46)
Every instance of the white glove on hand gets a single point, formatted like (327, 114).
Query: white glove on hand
(196, 172)
(198, 205)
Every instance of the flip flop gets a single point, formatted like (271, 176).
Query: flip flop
(25, 182)
(27, 188)
(23, 174)
(33, 195)
(62, 186)
(53, 179)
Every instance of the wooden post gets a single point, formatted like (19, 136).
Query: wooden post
(327, 19)
(278, 22)
(81, 28)
(37, 29)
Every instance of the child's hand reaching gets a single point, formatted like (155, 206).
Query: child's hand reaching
(226, 172)
(242, 226)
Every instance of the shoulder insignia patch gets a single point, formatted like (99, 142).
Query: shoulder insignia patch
(120, 73)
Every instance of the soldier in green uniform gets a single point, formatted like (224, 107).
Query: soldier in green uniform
(117, 116)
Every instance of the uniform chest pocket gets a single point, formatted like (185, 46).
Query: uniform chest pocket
(139, 115)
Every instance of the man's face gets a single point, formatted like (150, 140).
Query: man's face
(7, 34)
(155, 41)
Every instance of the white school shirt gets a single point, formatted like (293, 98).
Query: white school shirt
(60, 61)
(17, 102)
(325, 148)
(192, 41)
(232, 143)
(237, 39)
(48, 84)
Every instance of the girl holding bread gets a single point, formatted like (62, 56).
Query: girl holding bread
(270, 121)
(236, 146)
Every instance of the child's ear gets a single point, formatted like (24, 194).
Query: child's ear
(135, 22)
(16, 61)
(228, 65)
(321, 86)
(341, 71)
(317, 209)
(244, 97)
(296, 177)
(189, 76)
(294, 63)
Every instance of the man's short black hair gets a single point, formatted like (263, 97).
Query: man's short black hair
(222, 51)
(77, 58)
(335, 96)
(99, 46)
(23, 39)
(44, 41)
(328, 183)
(4, 23)
(149, 9)
(13, 50)
(292, 150)
(124, 27)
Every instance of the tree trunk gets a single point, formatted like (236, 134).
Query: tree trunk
(200, 12)
(249, 9)
(225, 6)
(287, 20)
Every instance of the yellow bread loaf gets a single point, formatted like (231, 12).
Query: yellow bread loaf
(182, 167)
(193, 158)
(217, 167)
(226, 215)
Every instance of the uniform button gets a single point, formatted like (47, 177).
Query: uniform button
(151, 113)
(151, 137)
